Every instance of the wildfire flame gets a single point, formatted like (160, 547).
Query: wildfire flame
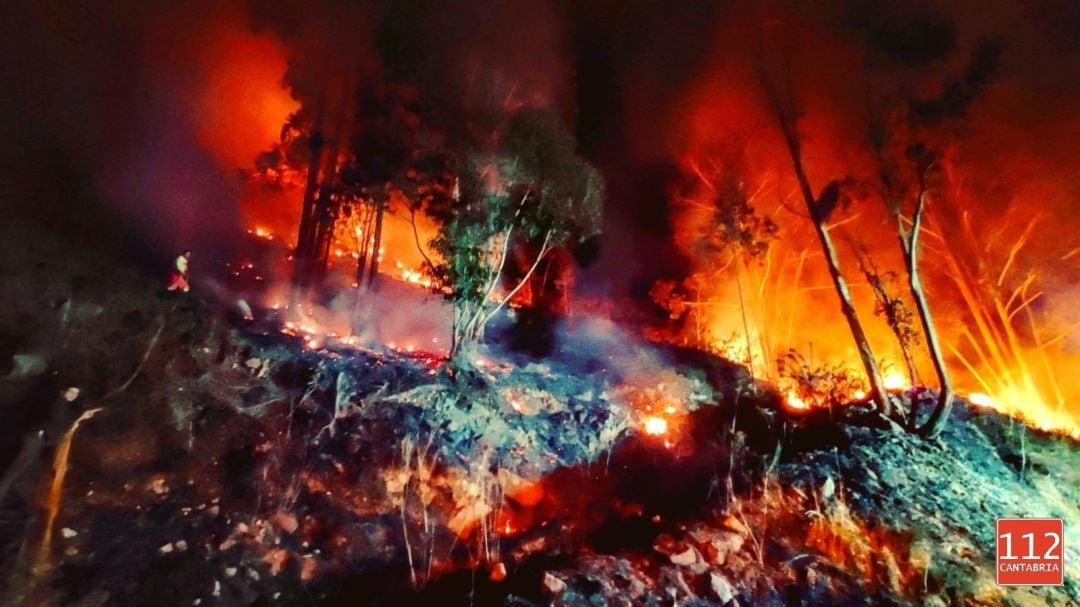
(894, 381)
(655, 425)
(795, 402)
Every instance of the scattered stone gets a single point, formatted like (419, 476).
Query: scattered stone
(733, 524)
(230, 571)
(157, 485)
(277, 559)
(498, 572)
(181, 545)
(532, 546)
(718, 544)
(167, 548)
(518, 489)
(666, 545)
(217, 588)
(26, 365)
(307, 568)
(286, 522)
(691, 559)
(68, 533)
(828, 488)
(552, 584)
(685, 558)
(934, 601)
(721, 589)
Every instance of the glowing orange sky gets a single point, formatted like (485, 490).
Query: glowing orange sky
(242, 104)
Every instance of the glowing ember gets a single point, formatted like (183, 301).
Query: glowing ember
(894, 381)
(656, 426)
(795, 402)
(413, 276)
(262, 233)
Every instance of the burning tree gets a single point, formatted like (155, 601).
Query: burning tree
(786, 109)
(307, 158)
(734, 234)
(909, 146)
(533, 192)
(395, 162)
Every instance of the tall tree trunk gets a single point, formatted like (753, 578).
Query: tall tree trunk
(847, 305)
(940, 415)
(302, 257)
(363, 242)
(869, 269)
(324, 224)
(745, 323)
(373, 271)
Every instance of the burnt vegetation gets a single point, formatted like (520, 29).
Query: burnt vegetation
(782, 329)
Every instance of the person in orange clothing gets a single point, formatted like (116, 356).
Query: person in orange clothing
(178, 278)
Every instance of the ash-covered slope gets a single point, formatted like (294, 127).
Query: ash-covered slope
(231, 465)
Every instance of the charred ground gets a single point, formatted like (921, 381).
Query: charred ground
(230, 465)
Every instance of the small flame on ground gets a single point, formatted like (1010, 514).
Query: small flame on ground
(414, 276)
(656, 426)
(894, 381)
(262, 233)
(795, 402)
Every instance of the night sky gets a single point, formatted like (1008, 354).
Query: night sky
(96, 119)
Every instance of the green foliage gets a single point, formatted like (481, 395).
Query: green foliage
(538, 155)
(533, 191)
(470, 238)
(735, 222)
(818, 385)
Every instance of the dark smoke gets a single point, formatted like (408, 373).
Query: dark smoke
(99, 128)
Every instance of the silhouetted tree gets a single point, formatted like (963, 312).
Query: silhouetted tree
(785, 108)
(908, 142)
(533, 189)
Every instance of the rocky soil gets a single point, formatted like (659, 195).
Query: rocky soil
(225, 463)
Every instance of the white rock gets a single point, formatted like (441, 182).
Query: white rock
(721, 588)
(685, 558)
(230, 571)
(828, 488)
(68, 533)
(553, 584)
(166, 549)
(27, 365)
